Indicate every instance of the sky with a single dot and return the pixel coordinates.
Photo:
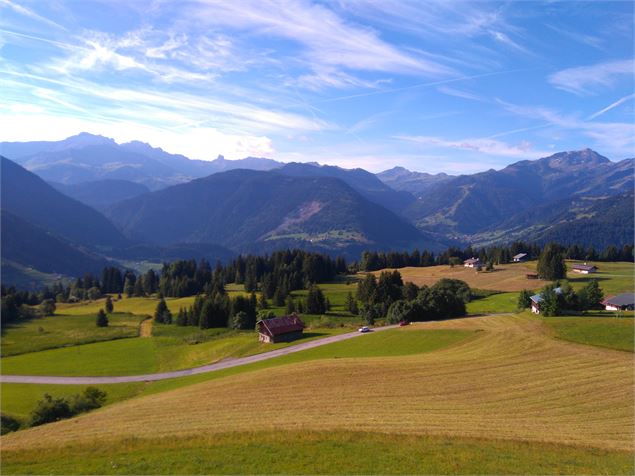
(455, 87)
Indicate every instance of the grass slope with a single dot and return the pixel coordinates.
(513, 381)
(614, 333)
(63, 330)
(302, 452)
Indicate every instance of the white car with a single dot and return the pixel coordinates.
(364, 329)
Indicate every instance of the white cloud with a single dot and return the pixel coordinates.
(522, 150)
(589, 79)
(459, 93)
(204, 143)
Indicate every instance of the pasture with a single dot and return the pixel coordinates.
(64, 330)
(610, 332)
(504, 395)
(341, 452)
(613, 277)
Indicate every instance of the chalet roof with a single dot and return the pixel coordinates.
(537, 298)
(471, 260)
(280, 325)
(624, 299)
(519, 256)
(584, 267)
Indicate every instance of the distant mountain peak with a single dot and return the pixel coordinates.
(86, 138)
(573, 158)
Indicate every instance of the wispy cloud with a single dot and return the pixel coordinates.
(611, 106)
(589, 79)
(460, 93)
(27, 12)
(614, 137)
(523, 150)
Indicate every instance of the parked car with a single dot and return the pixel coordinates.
(404, 323)
(364, 329)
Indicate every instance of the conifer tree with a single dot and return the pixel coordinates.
(108, 306)
(102, 319)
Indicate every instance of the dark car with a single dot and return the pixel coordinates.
(404, 323)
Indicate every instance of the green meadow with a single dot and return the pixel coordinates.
(310, 452)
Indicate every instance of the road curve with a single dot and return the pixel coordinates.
(46, 379)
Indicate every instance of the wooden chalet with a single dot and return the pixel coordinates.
(584, 268)
(621, 302)
(472, 263)
(536, 299)
(519, 257)
(280, 329)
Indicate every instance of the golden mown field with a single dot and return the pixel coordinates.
(511, 381)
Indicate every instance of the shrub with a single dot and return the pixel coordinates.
(8, 424)
(90, 399)
(102, 319)
(50, 409)
(47, 307)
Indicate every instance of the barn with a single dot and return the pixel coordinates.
(621, 302)
(520, 257)
(280, 329)
(584, 268)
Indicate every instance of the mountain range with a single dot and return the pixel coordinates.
(132, 204)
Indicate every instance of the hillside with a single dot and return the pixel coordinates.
(242, 208)
(28, 197)
(478, 203)
(367, 184)
(31, 247)
(100, 194)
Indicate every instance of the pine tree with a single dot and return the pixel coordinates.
(262, 302)
(181, 317)
(290, 305)
(162, 314)
(524, 299)
(551, 264)
(102, 319)
(108, 306)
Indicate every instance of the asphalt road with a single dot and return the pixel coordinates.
(224, 364)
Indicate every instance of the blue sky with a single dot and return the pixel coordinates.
(440, 86)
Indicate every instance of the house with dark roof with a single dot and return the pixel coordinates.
(584, 268)
(536, 299)
(472, 263)
(280, 329)
(519, 257)
(621, 302)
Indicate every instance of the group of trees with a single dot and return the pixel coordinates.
(373, 260)
(554, 303)
(389, 297)
(51, 409)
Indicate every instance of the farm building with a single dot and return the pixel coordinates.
(584, 268)
(280, 329)
(472, 263)
(536, 299)
(520, 257)
(621, 302)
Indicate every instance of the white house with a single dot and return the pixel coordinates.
(536, 299)
(472, 263)
(621, 302)
(584, 268)
(520, 257)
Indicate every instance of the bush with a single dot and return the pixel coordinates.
(102, 319)
(90, 399)
(8, 424)
(47, 307)
(50, 409)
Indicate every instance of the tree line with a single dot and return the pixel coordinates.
(376, 260)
